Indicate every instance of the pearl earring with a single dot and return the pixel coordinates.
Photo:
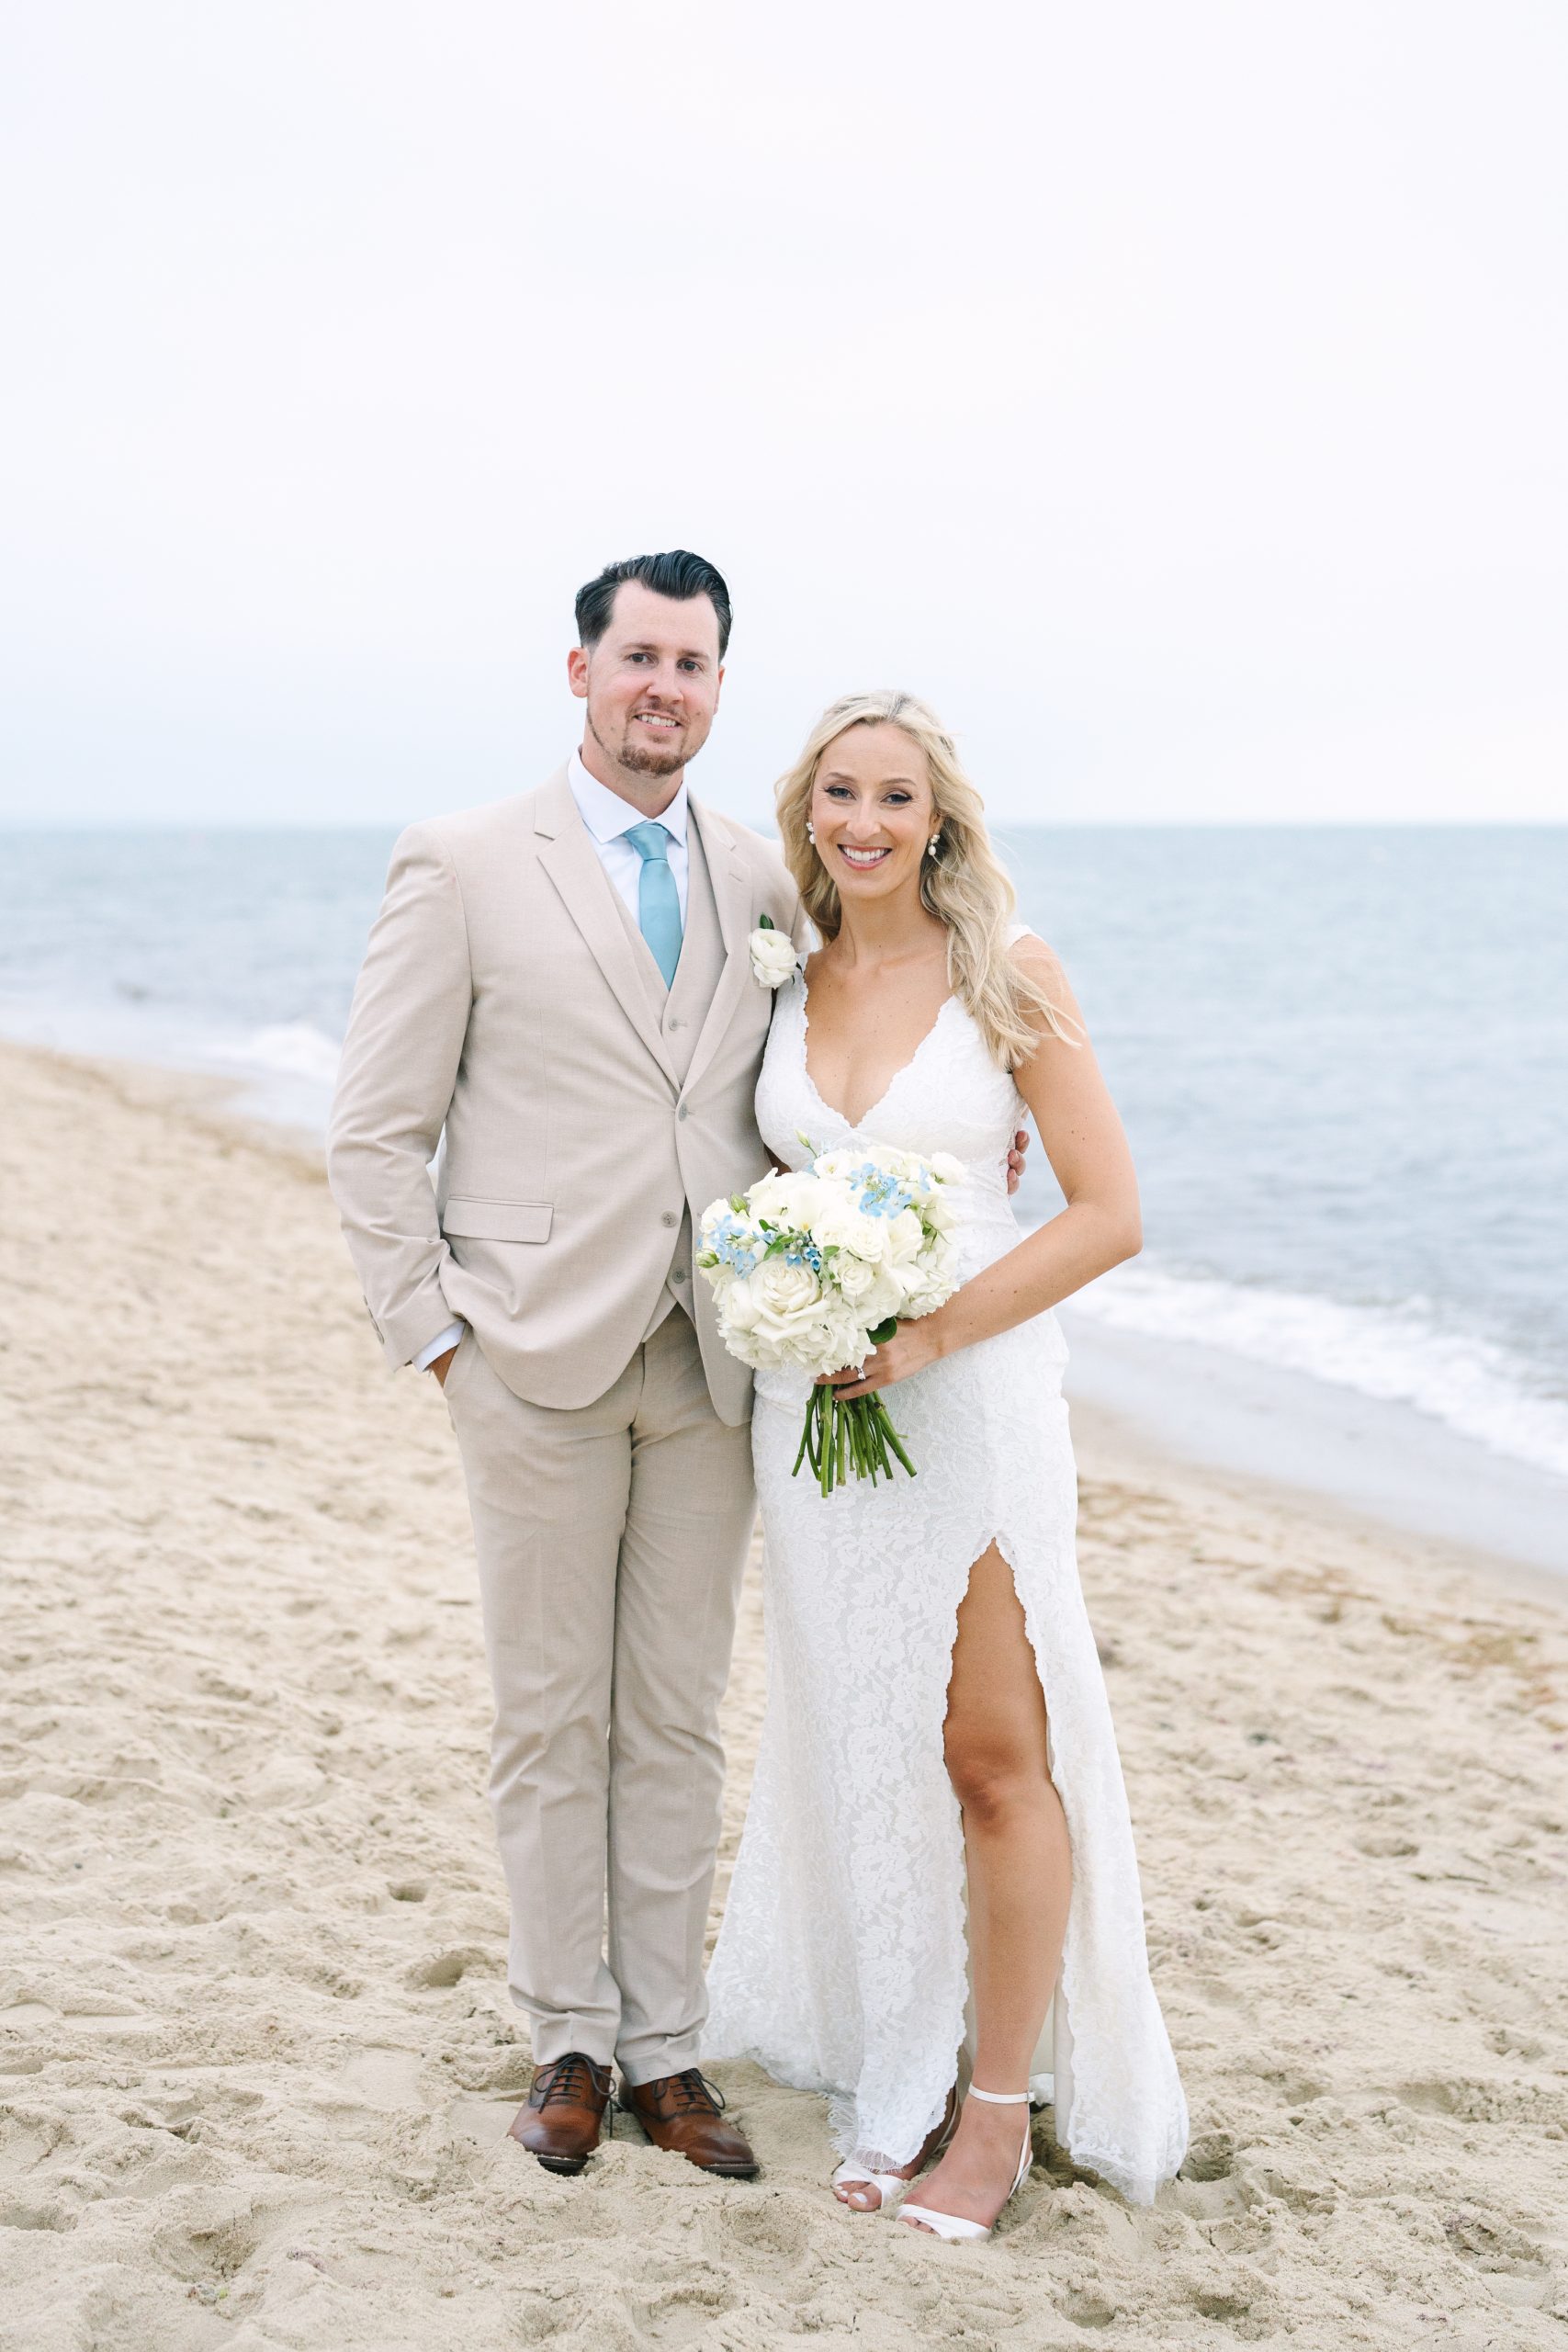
(930, 845)
(811, 833)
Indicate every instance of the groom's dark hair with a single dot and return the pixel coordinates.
(679, 574)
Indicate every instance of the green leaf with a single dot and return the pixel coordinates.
(766, 922)
(883, 1333)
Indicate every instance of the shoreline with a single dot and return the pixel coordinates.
(1108, 1442)
(257, 2057)
(1321, 1449)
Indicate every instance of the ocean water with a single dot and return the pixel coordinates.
(1341, 1055)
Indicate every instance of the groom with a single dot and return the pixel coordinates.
(561, 983)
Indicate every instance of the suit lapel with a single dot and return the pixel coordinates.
(732, 896)
(569, 858)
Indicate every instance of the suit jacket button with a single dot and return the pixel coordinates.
(669, 1217)
(679, 1111)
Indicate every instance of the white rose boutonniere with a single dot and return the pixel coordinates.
(772, 954)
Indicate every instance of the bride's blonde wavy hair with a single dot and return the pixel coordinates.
(965, 884)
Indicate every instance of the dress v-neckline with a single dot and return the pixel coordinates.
(854, 1126)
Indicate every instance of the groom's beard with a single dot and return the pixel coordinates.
(643, 758)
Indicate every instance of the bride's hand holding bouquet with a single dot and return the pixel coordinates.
(910, 1348)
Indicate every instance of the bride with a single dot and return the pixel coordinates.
(938, 1823)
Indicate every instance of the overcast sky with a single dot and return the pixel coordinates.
(1174, 395)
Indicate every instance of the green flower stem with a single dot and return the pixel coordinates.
(891, 1435)
(840, 1436)
(805, 1445)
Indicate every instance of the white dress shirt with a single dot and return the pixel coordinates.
(606, 816)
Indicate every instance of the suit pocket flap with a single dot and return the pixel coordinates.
(498, 1220)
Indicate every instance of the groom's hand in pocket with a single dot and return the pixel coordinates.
(441, 1366)
(1016, 1158)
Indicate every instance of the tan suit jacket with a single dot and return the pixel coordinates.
(506, 998)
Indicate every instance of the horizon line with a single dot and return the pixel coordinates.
(23, 826)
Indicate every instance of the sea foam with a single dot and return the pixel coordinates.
(1400, 1355)
(288, 1049)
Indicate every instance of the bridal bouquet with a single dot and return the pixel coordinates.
(814, 1269)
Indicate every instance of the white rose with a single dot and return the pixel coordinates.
(773, 957)
(784, 1289)
(739, 1307)
(939, 1215)
(874, 1292)
(946, 1168)
(837, 1164)
(787, 1201)
(889, 1297)
(788, 1304)
(839, 1225)
(828, 1196)
(855, 1279)
(905, 1237)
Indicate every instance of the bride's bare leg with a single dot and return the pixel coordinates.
(1020, 1863)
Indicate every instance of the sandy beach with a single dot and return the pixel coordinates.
(256, 2055)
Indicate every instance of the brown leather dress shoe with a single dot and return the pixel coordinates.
(683, 2112)
(566, 2106)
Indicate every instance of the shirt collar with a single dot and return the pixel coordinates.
(608, 816)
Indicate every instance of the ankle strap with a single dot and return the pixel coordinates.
(998, 2099)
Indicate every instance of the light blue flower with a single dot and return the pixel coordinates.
(734, 1245)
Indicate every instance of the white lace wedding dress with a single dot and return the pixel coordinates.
(842, 1964)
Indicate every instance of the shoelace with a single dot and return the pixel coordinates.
(691, 2093)
(576, 2080)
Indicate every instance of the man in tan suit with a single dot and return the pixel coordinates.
(560, 987)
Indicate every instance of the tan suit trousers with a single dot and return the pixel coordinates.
(610, 1541)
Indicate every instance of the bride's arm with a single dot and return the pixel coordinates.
(1098, 1228)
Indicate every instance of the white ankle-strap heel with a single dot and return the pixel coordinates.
(952, 2226)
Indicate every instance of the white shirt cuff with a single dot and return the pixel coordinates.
(438, 1346)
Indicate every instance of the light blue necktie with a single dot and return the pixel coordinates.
(658, 900)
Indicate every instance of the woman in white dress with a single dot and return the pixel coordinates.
(938, 1821)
